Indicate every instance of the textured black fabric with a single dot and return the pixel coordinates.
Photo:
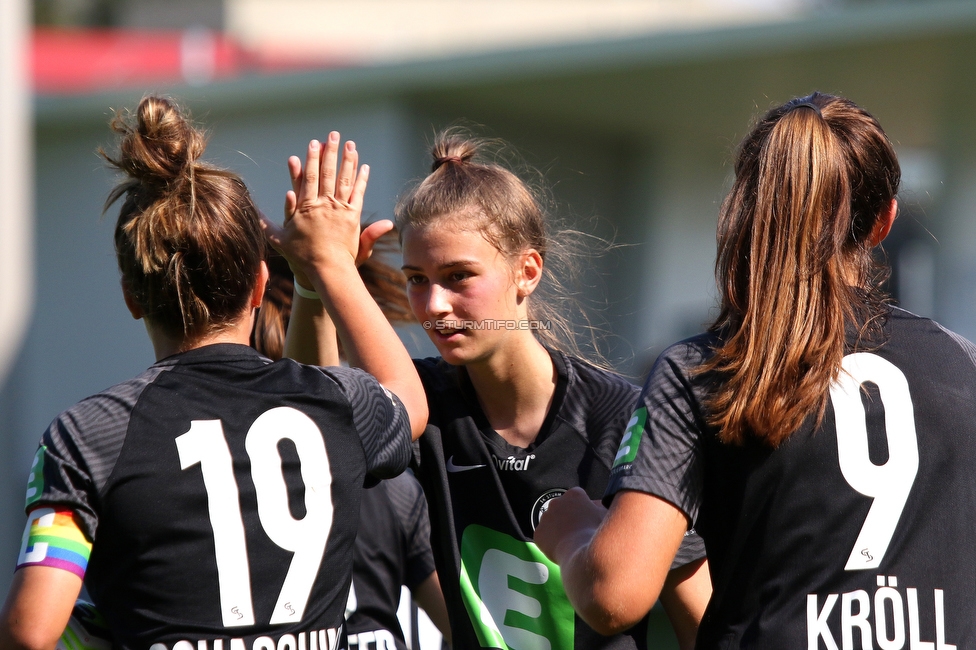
(217, 483)
(392, 549)
(799, 556)
(486, 497)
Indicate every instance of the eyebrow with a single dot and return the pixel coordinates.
(447, 265)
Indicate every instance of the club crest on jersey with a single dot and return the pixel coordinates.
(542, 504)
(513, 464)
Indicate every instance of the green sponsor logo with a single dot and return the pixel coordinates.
(627, 451)
(35, 482)
(513, 593)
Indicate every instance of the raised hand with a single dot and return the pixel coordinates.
(321, 239)
(322, 210)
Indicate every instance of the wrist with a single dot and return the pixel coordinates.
(305, 292)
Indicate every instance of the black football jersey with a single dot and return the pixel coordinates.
(392, 549)
(486, 497)
(221, 492)
(854, 533)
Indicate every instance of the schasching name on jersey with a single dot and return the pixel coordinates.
(328, 639)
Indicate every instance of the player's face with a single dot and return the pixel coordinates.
(460, 287)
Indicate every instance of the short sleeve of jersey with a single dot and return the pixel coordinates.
(380, 418)
(410, 505)
(78, 451)
(59, 477)
(660, 452)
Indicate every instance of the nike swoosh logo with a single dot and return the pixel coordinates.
(451, 467)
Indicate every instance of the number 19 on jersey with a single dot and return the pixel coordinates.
(205, 444)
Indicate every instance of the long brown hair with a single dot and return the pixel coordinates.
(794, 265)
(188, 238)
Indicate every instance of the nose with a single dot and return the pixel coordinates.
(438, 301)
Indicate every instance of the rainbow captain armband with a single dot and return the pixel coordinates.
(52, 538)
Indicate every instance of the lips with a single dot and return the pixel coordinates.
(447, 334)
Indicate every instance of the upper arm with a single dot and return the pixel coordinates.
(661, 451)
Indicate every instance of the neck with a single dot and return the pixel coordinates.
(166, 346)
(515, 387)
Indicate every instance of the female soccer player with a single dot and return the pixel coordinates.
(212, 502)
(515, 420)
(821, 440)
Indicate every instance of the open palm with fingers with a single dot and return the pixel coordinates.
(323, 208)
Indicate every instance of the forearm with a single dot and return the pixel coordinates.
(37, 608)
(597, 593)
(311, 336)
(613, 569)
(368, 339)
(685, 595)
(429, 596)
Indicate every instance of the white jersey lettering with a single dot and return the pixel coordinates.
(886, 612)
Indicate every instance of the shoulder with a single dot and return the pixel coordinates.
(89, 436)
(680, 361)
(597, 401)
(590, 378)
(448, 394)
(111, 407)
(688, 354)
(592, 385)
(352, 386)
(340, 375)
(904, 322)
(405, 495)
(435, 373)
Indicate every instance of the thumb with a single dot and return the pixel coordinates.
(272, 232)
(368, 237)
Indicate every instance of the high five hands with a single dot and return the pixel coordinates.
(323, 211)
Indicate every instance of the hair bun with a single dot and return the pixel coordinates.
(162, 143)
(455, 148)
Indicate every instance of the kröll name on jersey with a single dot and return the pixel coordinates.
(890, 617)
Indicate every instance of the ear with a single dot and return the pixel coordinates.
(528, 272)
(883, 225)
(130, 301)
(260, 285)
